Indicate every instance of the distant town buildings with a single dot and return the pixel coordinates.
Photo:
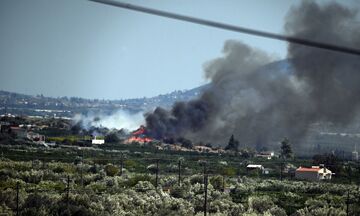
(267, 155)
(315, 173)
(4, 127)
(355, 155)
(22, 132)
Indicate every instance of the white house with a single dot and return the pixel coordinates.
(315, 173)
(97, 141)
(257, 167)
(355, 156)
(35, 137)
(267, 155)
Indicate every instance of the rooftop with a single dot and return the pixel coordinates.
(305, 169)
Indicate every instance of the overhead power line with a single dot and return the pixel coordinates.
(234, 28)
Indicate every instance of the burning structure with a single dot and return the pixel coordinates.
(139, 135)
(261, 104)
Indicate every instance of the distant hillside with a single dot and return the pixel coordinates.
(322, 137)
(39, 105)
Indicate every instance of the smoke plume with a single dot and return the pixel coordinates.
(117, 120)
(259, 102)
(332, 78)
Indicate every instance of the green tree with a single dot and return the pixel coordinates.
(329, 160)
(111, 138)
(217, 182)
(111, 170)
(286, 151)
(233, 144)
(185, 143)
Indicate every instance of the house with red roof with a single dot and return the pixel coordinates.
(18, 131)
(314, 173)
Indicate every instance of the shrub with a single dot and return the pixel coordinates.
(240, 193)
(111, 170)
(217, 182)
(196, 179)
(179, 191)
(260, 204)
(143, 186)
(132, 181)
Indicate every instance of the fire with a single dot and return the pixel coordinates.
(139, 136)
(138, 139)
(140, 131)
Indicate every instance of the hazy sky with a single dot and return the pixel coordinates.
(85, 49)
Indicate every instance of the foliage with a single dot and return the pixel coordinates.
(96, 189)
(233, 144)
(112, 138)
(218, 182)
(111, 170)
(286, 151)
(329, 160)
(185, 142)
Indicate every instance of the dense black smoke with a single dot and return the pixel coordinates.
(332, 78)
(260, 102)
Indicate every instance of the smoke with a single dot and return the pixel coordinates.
(118, 120)
(245, 98)
(332, 78)
(260, 103)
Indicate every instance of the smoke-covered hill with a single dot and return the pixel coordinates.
(322, 137)
(39, 105)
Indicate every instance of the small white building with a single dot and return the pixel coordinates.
(35, 137)
(315, 173)
(267, 155)
(97, 141)
(258, 167)
(355, 156)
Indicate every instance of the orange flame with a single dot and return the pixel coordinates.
(139, 136)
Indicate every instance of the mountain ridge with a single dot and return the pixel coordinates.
(39, 105)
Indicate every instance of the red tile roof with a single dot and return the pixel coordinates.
(304, 169)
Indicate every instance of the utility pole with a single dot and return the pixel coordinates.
(43, 164)
(204, 172)
(349, 174)
(347, 203)
(157, 173)
(223, 183)
(121, 164)
(205, 187)
(81, 173)
(358, 166)
(179, 170)
(281, 169)
(17, 198)
(6, 104)
(68, 192)
(205, 192)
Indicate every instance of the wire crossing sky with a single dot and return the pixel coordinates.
(79, 48)
(255, 32)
